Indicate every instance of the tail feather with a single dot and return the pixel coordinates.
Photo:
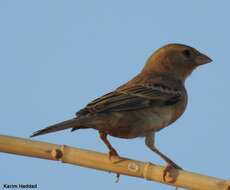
(72, 123)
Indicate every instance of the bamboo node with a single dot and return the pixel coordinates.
(56, 153)
(225, 184)
(147, 171)
(228, 184)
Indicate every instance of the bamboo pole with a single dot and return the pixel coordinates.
(99, 161)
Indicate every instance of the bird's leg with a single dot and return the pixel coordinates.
(149, 141)
(112, 151)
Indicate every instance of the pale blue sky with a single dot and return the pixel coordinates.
(56, 56)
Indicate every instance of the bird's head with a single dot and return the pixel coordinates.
(175, 60)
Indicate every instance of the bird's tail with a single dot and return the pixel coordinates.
(72, 123)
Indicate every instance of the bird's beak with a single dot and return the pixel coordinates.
(202, 59)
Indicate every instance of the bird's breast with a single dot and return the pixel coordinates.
(157, 118)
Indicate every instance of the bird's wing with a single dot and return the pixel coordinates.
(132, 98)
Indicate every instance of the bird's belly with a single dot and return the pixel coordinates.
(139, 123)
(154, 120)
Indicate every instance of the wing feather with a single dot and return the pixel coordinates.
(132, 98)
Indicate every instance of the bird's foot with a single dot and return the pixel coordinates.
(114, 157)
(171, 172)
(118, 178)
(113, 153)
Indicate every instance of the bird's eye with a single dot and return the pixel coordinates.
(186, 53)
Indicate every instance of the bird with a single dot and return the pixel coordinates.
(152, 100)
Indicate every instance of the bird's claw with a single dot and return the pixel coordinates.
(113, 153)
(118, 177)
(171, 170)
